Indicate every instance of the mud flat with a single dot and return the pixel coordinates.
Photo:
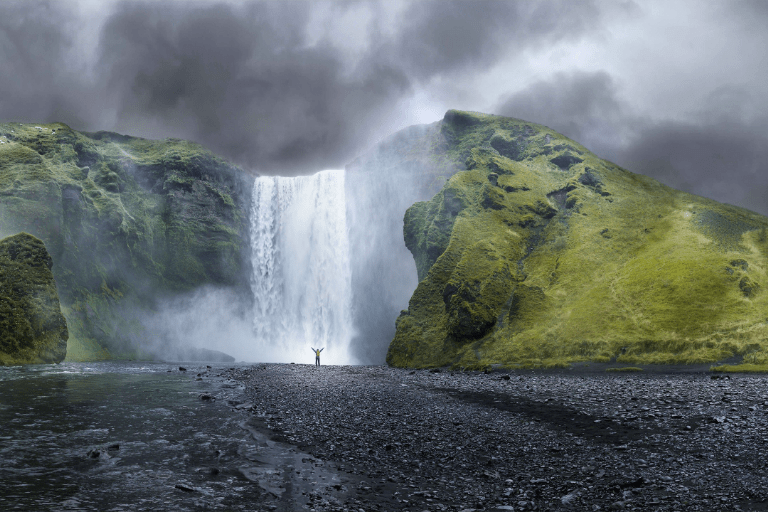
(583, 439)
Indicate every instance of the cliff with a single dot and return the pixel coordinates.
(126, 220)
(32, 328)
(382, 183)
(541, 254)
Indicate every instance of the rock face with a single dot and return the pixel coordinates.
(32, 328)
(409, 166)
(542, 254)
(128, 221)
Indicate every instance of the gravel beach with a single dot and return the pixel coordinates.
(382, 438)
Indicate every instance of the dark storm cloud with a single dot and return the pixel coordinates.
(442, 36)
(583, 106)
(242, 80)
(720, 151)
(726, 160)
(34, 44)
(714, 153)
(245, 79)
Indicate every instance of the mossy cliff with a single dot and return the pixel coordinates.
(542, 254)
(382, 183)
(32, 328)
(126, 220)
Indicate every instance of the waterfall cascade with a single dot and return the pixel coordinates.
(301, 269)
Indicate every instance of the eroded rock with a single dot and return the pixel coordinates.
(32, 327)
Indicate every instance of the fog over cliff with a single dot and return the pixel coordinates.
(674, 90)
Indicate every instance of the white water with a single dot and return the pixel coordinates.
(301, 270)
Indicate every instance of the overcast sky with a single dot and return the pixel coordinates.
(677, 90)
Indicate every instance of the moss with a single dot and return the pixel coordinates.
(625, 369)
(477, 290)
(545, 264)
(32, 327)
(148, 218)
(741, 368)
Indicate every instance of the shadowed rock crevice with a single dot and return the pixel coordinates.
(566, 161)
(561, 199)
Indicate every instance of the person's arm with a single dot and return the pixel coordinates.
(322, 349)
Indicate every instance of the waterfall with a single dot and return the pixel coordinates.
(301, 279)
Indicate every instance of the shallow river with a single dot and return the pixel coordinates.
(139, 436)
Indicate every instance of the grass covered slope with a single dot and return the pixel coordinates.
(125, 220)
(32, 328)
(542, 254)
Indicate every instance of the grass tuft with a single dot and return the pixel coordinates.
(741, 368)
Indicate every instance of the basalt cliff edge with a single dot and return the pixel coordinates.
(533, 252)
(541, 254)
(127, 221)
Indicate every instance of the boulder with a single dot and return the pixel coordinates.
(32, 327)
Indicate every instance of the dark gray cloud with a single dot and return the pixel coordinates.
(35, 39)
(240, 79)
(723, 160)
(580, 105)
(716, 151)
(438, 37)
(246, 80)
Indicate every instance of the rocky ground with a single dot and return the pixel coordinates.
(580, 439)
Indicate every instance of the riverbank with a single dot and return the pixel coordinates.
(529, 440)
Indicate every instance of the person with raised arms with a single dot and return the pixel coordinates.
(317, 355)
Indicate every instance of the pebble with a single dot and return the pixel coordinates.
(462, 441)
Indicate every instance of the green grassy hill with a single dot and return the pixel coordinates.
(126, 220)
(541, 254)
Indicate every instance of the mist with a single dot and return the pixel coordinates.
(329, 269)
(292, 88)
(209, 318)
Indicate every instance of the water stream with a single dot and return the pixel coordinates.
(142, 436)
